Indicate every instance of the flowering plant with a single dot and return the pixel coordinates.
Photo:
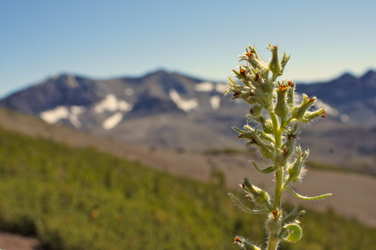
(276, 112)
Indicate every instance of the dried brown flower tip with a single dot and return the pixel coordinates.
(275, 214)
(291, 84)
(292, 136)
(238, 240)
(257, 77)
(323, 115)
(242, 72)
(284, 152)
(282, 88)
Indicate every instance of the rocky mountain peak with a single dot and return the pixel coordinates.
(346, 77)
(369, 78)
(107, 105)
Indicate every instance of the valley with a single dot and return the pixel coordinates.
(352, 193)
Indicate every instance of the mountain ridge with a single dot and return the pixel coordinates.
(160, 87)
(172, 110)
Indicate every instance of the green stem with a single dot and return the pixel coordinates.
(287, 122)
(277, 131)
(272, 243)
(279, 172)
(278, 188)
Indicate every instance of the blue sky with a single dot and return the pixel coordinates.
(108, 38)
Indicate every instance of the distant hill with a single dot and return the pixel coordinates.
(351, 96)
(172, 110)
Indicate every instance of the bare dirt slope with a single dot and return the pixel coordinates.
(18, 242)
(353, 194)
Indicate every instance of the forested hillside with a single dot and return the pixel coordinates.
(83, 199)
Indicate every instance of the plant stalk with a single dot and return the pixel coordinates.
(272, 242)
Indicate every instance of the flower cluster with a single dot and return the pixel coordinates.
(274, 108)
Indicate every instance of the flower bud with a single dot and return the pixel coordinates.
(261, 82)
(293, 216)
(310, 116)
(252, 100)
(265, 148)
(245, 244)
(275, 65)
(299, 111)
(259, 196)
(266, 124)
(256, 80)
(252, 57)
(280, 159)
(291, 136)
(296, 170)
(265, 136)
(241, 75)
(255, 110)
(273, 223)
(261, 97)
(281, 108)
(290, 94)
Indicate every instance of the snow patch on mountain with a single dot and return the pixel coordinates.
(112, 121)
(221, 87)
(73, 116)
(215, 101)
(185, 105)
(111, 103)
(204, 87)
(54, 115)
(62, 112)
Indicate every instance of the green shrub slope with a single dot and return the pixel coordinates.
(83, 199)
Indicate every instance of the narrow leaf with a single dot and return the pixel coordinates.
(240, 205)
(237, 73)
(308, 198)
(238, 130)
(265, 170)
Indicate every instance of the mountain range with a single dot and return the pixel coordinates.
(172, 110)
